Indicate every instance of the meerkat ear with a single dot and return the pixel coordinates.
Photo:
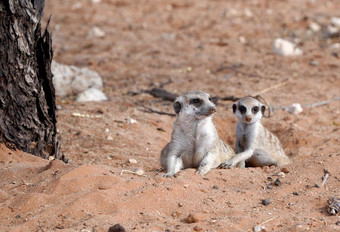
(263, 108)
(177, 106)
(234, 108)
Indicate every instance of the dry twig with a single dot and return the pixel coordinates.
(271, 87)
(325, 177)
(150, 110)
(313, 105)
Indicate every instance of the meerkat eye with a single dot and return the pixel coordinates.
(196, 101)
(242, 109)
(255, 109)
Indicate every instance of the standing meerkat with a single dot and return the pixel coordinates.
(194, 141)
(255, 145)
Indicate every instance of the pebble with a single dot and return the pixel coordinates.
(132, 161)
(281, 174)
(197, 228)
(116, 228)
(72, 80)
(294, 108)
(242, 40)
(337, 223)
(314, 27)
(266, 202)
(284, 170)
(91, 94)
(109, 138)
(259, 228)
(138, 171)
(278, 182)
(266, 169)
(215, 187)
(284, 47)
(335, 21)
(195, 217)
(334, 46)
(180, 205)
(96, 32)
(331, 31)
(130, 120)
(314, 63)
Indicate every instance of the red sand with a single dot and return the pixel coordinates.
(146, 43)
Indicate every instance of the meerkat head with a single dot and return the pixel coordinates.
(249, 110)
(196, 104)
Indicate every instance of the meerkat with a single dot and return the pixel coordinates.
(194, 141)
(255, 145)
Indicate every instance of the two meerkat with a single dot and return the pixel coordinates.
(255, 145)
(194, 141)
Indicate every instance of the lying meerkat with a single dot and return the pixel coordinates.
(194, 141)
(255, 145)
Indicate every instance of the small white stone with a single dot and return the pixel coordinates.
(91, 94)
(71, 80)
(96, 1)
(294, 108)
(285, 48)
(242, 39)
(96, 32)
(106, 130)
(138, 171)
(130, 120)
(50, 158)
(109, 138)
(335, 21)
(259, 228)
(314, 27)
(331, 30)
(281, 174)
(132, 161)
(334, 46)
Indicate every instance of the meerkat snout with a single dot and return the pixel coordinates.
(248, 118)
(212, 110)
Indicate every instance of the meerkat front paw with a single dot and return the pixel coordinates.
(202, 171)
(227, 164)
(168, 175)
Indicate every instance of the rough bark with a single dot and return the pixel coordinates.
(27, 98)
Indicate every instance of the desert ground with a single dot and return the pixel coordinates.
(221, 47)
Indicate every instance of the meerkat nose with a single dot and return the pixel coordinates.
(248, 118)
(212, 110)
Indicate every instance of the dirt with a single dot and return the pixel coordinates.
(221, 47)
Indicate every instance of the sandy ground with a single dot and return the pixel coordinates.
(221, 47)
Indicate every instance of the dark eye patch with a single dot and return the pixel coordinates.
(255, 109)
(196, 102)
(242, 109)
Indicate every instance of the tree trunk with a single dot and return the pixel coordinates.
(27, 98)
